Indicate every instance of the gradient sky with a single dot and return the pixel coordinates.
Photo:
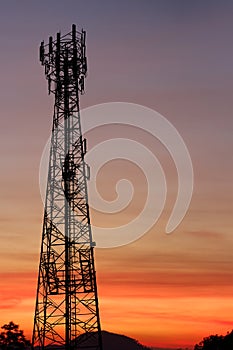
(174, 56)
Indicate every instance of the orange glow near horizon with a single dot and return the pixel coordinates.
(162, 308)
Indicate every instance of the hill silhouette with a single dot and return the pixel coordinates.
(112, 341)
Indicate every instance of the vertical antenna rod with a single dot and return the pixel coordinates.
(67, 314)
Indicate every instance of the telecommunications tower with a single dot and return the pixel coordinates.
(67, 314)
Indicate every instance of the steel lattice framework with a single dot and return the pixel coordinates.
(66, 315)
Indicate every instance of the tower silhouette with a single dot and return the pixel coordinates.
(66, 314)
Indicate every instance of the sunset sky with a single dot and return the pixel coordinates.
(176, 57)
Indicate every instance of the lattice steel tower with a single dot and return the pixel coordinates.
(67, 315)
